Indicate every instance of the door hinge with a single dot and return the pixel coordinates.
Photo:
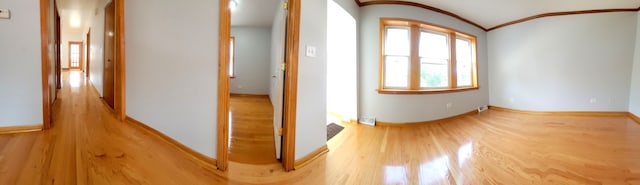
(279, 131)
(283, 66)
(285, 6)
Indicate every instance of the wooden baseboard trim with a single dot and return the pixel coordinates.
(311, 157)
(20, 129)
(204, 161)
(634, 117)
(406, 124)
(560, 113)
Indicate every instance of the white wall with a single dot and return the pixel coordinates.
(67, 37)
(96, 58)
(20, 64)
(413, 108)
(172, 69)
(634, 95)
(560, 63)
(312, 105)
(252, 59)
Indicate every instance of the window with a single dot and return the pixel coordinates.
(231, 56)
(417, 57)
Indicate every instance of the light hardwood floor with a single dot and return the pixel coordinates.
(251, 137)
(88, 146)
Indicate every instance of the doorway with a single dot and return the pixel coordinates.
(256, 88)
(342, 85)
(288, 76)
(75, 55)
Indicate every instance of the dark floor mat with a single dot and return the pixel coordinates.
(332, 130)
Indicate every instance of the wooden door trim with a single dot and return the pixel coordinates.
(223, 85)
(44, 52)
(69, 54)
(88, 58)
(120, 82)
(290, 85)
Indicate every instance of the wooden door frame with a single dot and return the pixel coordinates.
(119, 104)
(87, 60)
(290, 85)
(81, 54)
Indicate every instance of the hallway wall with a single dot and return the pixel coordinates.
(252, 54)
(311, 110)
(20, 64)
(96, 58)
(172, 69)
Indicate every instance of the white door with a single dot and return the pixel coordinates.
(277, 77)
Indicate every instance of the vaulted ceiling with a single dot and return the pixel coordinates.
(491, 13)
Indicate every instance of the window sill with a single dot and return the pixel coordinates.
(425, 91)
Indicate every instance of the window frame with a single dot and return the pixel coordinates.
(415, 28)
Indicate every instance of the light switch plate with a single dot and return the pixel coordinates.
(311, 51)
(5, 14)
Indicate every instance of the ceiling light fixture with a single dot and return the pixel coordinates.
(233, 4)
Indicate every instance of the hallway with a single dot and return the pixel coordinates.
(87, 145)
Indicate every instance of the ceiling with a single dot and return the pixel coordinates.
(75, 15)
(254, 12)
(491, 13)
(486, 13)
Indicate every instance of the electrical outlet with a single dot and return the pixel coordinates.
(5, 13)
(311, 51)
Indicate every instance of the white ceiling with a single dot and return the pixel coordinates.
(490, 13)
(81, 11)
(486, 13)
(254, 12)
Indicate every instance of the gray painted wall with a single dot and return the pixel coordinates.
(252, 60)
(562, 63)
(96, 50)
(634, 95)
(413, 108)
(20, 64)
(172, 71)
(312, 99)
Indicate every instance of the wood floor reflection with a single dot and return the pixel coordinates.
(251, 137)
(88, 146)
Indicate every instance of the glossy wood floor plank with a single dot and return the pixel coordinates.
(88, 146)
(251, 137)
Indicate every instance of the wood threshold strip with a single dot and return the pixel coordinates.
(20, 129)
(202, 160)
(408, 124)
(419, 5)
(561, 113)
(311, 157)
